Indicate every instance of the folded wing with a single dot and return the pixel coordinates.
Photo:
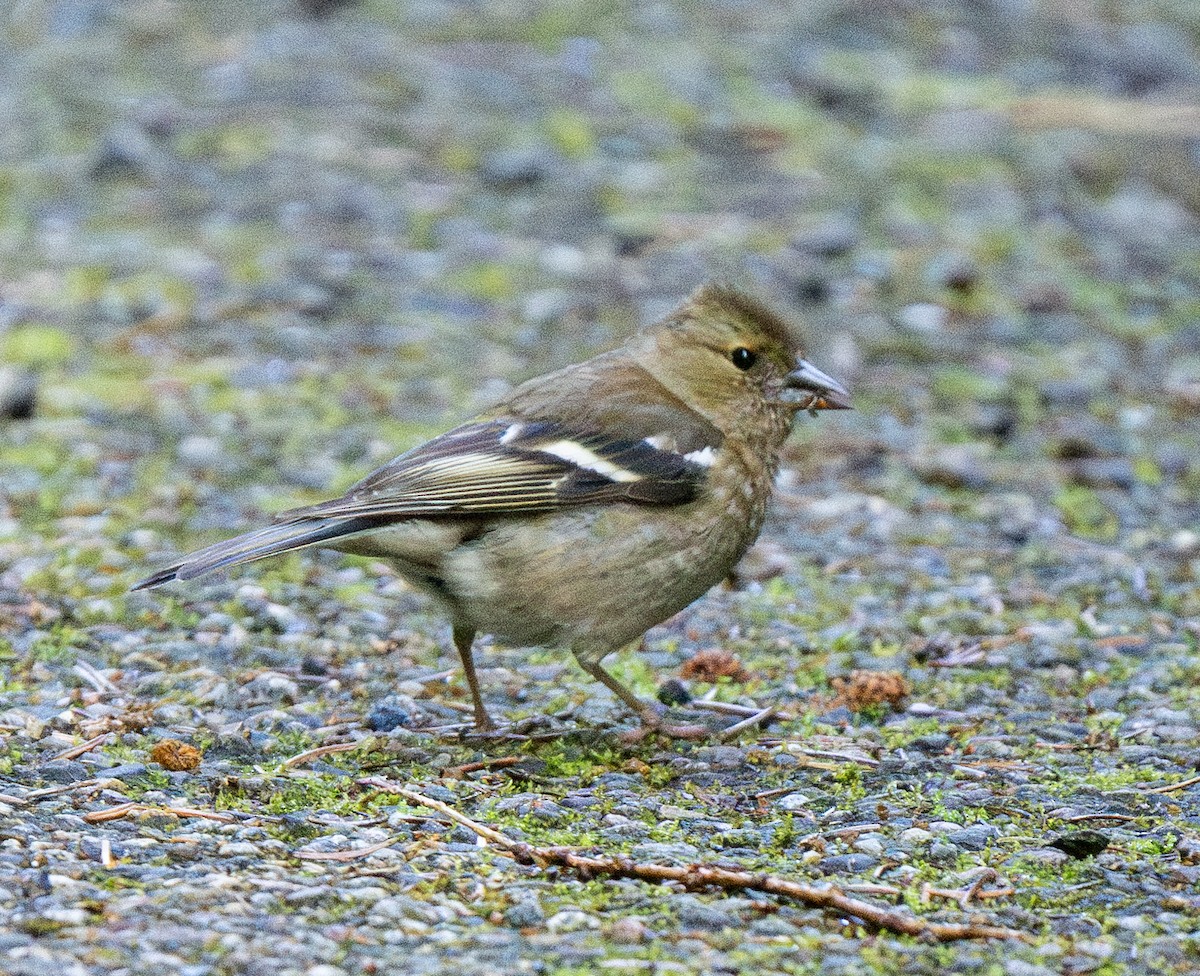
(488, 468)
(514, 466)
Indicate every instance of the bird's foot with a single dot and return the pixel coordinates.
(655, 722)
(522, 728)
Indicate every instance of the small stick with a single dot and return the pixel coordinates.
(319, 751)
(351, 855)
(963, 895)
(866, 888)
(111, 813)
(697, 877)
(93, 677)
(975, 888)
(421, 800)
(82, 784)
(840, 832)
(83, 747)
(827, 754)
(123, 810)
(725, 708)
(1172, 787)
(755, 720)
(461, 772)
(969, 772)
(780, 791)
(732, 708)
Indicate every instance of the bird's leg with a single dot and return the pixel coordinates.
(639, 707)
(464, 637)
(652, 721)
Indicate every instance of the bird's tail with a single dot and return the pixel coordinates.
(269, 541)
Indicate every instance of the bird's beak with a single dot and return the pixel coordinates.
(823, 392)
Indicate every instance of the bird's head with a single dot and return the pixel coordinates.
(725, 353)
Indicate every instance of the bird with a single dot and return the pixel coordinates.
(592, 502)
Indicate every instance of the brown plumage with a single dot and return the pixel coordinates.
(593, 502)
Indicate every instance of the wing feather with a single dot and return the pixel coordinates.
(619, 436)
(269, 541)
(508, 465)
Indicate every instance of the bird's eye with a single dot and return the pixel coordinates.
(743, 358)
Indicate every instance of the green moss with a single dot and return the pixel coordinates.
(491, 281)
(43, 456)
(458, 157)
(850, 778)
(958, 385)
(422, 228)
(86, 283)
(233, 147)
(646, 93)
(1147, 471)
(37, 345)
(60, 646)
(1086, 515)
(571, 133)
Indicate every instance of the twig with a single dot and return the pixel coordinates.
(335, 821)
(437, 676)
(964, 896)
(112, 813)
(960, 657)
(82, 784)
(83, 747)
(780, 791)
(969, 772)
(732, 708)
(421, 800)
(867, 888)
(352, 855)
(755, 720)
(1172, 787)
(1111, 115)
(319, 751)
(1083, 886)
(827, 754)
(445, 729)
(122, 810)
(461, 772)
(975, 888)
(190, 812)
(700, 876)
(725, 708)
(840, 833)
(1081, 818)
(94, 678)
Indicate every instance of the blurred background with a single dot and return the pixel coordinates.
(249, 251)
(285, 234)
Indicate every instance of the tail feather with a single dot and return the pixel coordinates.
(269, 541)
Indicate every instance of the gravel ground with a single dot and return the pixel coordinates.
(249, 251)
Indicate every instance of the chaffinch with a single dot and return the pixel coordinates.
(592, 503)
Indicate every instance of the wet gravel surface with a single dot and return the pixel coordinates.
(245, 255)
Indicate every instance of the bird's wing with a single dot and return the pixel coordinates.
(517, 466)
(491, 467)
(623, 438)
